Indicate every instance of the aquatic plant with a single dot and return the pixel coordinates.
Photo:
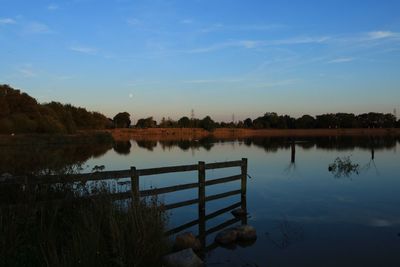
(343, 167)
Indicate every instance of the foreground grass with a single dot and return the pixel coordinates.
(72, 232)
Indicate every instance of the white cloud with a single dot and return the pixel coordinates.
(249, 43)
(37, 28)
(133, 21)
(186, 21)
(83, 49)
(381, 34)
(52, 7)
(260, 43)
(4, 21)
(244, 27)
(26, 71)
(300, 40)
(341, 60)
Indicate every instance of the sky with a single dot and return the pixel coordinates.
(217, 57)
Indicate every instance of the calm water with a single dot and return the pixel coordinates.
(304, 215)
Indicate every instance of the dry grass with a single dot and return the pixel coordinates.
(94, 232)
(166, 134)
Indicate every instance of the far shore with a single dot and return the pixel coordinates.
(175, 134)
(227, 133)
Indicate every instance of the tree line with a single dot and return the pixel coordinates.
(21, 113)
(272, 120)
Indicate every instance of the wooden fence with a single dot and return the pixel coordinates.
(137, 174)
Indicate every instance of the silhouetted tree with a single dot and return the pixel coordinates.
(122, 120)
(207, 123)
(184, 122)
(326, 121)
(248, 123)
(146, 123)
(305, 122)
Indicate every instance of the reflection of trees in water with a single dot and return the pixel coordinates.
(122, 147)
(46, 159)
(351, 142)
(206, 143)
(149, 145)
(286, 233)
(273, 144)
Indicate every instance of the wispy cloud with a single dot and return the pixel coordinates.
(26, 71)
(381, 34)
(186, 21)
(133, 21)
(244, 27)
(300, 40)
(52, 7)
(341, 60)
(83, 49)
(260, 43)
(4, 21)
(225, 80)
(277, 83)
(37, 28)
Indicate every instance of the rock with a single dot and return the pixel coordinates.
(226, 236)
(247, 243)
(239, 213)
(183, 258)
(5, 176)
(246, 233)
(187, 240)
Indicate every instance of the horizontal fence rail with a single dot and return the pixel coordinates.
(135, 193)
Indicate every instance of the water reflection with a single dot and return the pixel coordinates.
(122, 147)
(273, 144)
(41, 159)
(46, 159)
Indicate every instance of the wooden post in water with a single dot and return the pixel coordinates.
(135, 186)
(293, 152)
(202, 203)
(244, 188)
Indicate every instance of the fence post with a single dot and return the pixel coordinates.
(202, 203)
(244, 188)
(135, 185)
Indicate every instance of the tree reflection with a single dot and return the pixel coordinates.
(47, 159)
(122, 147)
(149, 145)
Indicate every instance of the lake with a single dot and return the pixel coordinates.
(306, 209)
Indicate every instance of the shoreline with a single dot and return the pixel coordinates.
(227, 133)
(176, 134)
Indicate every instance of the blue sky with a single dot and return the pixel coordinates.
(164, 58)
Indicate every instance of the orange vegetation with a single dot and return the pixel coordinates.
(222, 133)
